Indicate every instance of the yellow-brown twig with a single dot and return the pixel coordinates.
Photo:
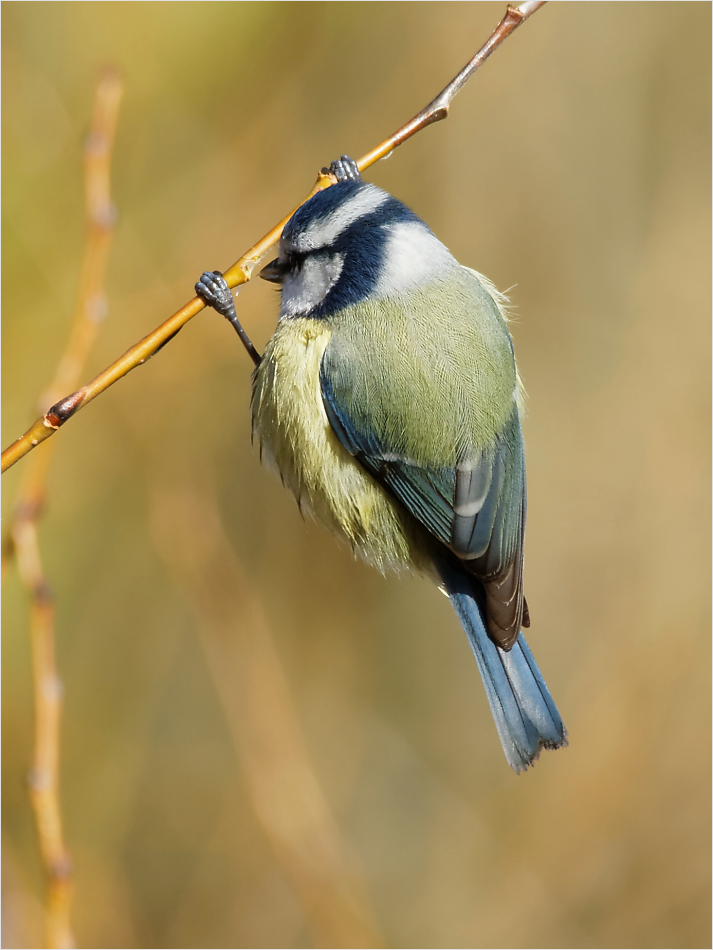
(91, 305)
(44, 777)
(286, 796)
(241, 271)
(21, 538)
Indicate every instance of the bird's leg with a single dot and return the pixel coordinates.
(344, 169)
(214, 292)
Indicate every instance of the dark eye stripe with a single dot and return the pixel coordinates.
(294, 260)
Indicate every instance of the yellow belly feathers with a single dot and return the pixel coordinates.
(295, 438)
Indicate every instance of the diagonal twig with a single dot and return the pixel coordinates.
(21, 537)
(241, 271)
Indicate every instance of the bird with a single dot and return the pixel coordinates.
(388, 401)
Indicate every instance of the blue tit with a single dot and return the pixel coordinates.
(387, 401)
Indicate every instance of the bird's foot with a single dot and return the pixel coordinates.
(214, 292)
(344, 169)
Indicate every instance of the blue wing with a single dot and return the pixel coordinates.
(475, 508)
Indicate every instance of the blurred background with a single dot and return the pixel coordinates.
(574, 171)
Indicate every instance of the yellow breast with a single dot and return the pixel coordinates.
(295, 438)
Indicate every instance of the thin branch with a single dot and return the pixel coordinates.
(241, 271)
(90, 307)
(284, 790)
(101, 220)
(439, 108)
(21, 537)
(44, 777)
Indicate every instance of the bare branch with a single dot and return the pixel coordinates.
(241, 271)
(438, 109)
(44, 777)
(21, 537)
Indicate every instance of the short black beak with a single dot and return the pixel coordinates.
(272, 271)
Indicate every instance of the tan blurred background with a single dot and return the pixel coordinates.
(574, 169)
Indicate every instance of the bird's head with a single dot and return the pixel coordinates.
(349, 243)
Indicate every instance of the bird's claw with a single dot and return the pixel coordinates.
(213, 290)
(345, 169)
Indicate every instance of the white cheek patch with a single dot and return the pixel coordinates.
(325, 231)
(411, 257)
(304, 291)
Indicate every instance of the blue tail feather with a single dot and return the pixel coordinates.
(525, 714)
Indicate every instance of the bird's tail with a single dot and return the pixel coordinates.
(525, 714)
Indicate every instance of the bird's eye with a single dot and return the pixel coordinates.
(294, 261)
